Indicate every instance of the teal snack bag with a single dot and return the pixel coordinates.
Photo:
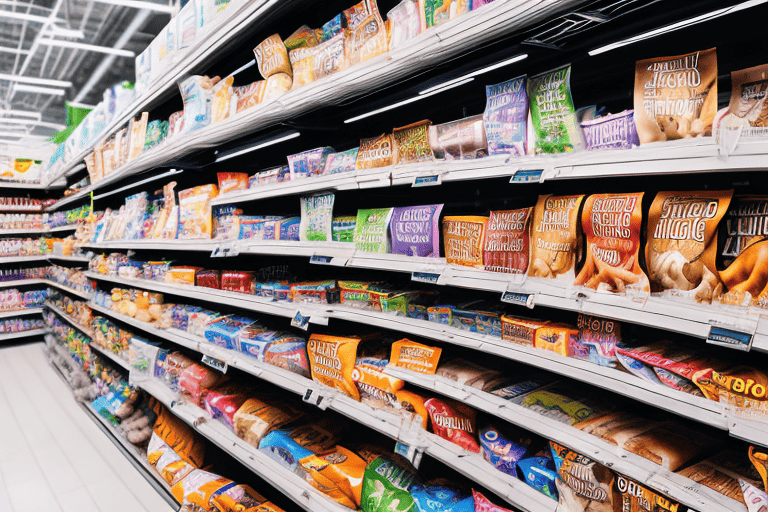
(386, 486)
(371, 230)
(316, 218)
(555, 127)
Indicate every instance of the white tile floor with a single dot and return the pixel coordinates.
(53, 457)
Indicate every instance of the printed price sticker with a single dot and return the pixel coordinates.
(527, 176)
(216, 364)
(321, 260)
(425, 277)
(315, 399)
(521, 299)
(427, 181)
(300, 321)
(729, 338)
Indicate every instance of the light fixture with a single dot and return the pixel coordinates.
(242, 68)
(150, 6)
(142, 182)
(39, 90)
(233, 154)
(66, 32)
(15, 51)
(9, 120)
(512, 60)
(20, 113)
(410, 100)
(34, 80)
(24, 16)
(676, 26)
(88, 47)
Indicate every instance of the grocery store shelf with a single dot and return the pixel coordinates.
(22, 259)
(428, 49)
(22, 334)
(22, 282)
(175, 245)
(110, 355)
(64, 316)
(68, 289)
(79, 259)
(20, 312)
(755, 432)
(23, 231)
(627, 463)
(70, 227)
(274, 473)
(30, 185)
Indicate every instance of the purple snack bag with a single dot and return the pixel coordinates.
(614, 131)
(415, 230)
(506, 117)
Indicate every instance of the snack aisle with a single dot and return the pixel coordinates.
(457, 256)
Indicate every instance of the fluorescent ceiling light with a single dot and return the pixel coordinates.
(88, 47)
(80, 105)
(288, 136)
(23, 16)
(35, 81)
(39, 90)
(242, 68)
(15, 51)
(132, 185)
(66, 32)
(676, 26)
(32, 122)
(151, 6)
(19, 113)
(421, 96)
(516, 58)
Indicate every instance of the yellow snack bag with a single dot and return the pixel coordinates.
(222, 96)
(463, 238)
(332, 359)
(415, 356)
(195, 211)
(555, 237)
(272, 57)
(555, 337)
(338, 473)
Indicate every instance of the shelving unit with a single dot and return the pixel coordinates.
(21, 334)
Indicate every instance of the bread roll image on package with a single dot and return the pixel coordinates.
(681, 244)
(611, 224)
(555, 237)
(676, 97)
(747, 112)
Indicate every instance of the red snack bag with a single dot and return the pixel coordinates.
(483, 505)
(238, 281)
(196, 380)
(454, 421)
(223, 402)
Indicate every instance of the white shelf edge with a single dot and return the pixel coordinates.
(22, 282)
(20, 312)
(63, 315)
(21, 334)
(68, 289)
(22, 259)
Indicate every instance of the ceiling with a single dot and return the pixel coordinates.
(25, 24)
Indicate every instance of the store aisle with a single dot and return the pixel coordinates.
(53, 457)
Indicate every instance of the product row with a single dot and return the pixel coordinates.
(32, 246)
(11, 274)
(20, 325)
(12, 299)
(24, 204)
(70, 277)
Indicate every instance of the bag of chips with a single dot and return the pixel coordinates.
(454, 421)
(415, 356)
(387, 482)
(412, 143)
(459, 140)
(372, 230)
(375, 152)
(316, 218)
(338, 473)
(506, 246)
(332, 360)
(582, 483)
(463, 238)
(555, 127)
(272, 57)
(415, 230)
(506, 117)
(555, 237)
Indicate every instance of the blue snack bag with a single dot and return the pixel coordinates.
(539, 473)
(441, 496)
(504, 449)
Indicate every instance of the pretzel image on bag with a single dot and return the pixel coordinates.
(611, 223)
(555, 236)
(682, 242)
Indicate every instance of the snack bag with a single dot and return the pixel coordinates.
(332, 359)
(404, 23)
(221, 98)
(440, 11)
(503, 448)
(328, 57)
(440, 495)
(415, 356)
(302, 37)
(454, 421)
(341, 162)
(365, 34)
(459, 140)
(747, 112)
(630, 496)
(275, 86)
(375, 152)
(483, 504)
(597, 340)
(386, 485)
(506, 247)
(613, 131)
(582, 483)
(463, 238)
(676, 97)
(232, 181)
(415, 230)
(197, 95)
(682, 242)
(611, 223)
(248, 96)
(412, 143)
(755, 498)
(742, 391)
(316, 218)
(506, 117)
(555, 237)
(371, 230)
(339, 474)
(195, 211)
(556, 129)
(272, 57)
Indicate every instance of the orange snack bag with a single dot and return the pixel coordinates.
(375, 152)
(521, 330)
(555, 236)
(366, 35)
(376, 388)
(555, 337)
(275, 86)
(415, 356)
(332, 359)
(463, 238)
(413, 403)
(195, 211)
(338, 473)
(272, 57)
(232, 181)
(611, 223)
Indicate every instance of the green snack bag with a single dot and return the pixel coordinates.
(371, 230)
(316, 218)
(555, 127)
(343, 229)
(386, 485)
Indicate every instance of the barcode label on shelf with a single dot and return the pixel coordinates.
(521, 299)
(527, 176)
(225, 250)
(729, 338)
(427, 181)
(311, 397)
(321, 260)
(425, 277)
(300, 321)
(216, 364)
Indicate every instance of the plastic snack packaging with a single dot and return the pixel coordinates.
(454, 421)
(612, 131)
(255, 419)
(302, 37)
(681, 243)
(439, 11)
(272, 57)
(387, 482)
(742, 391)
(506, 117)
(503, 448)
(582, 483)
(506, 247)
(338, 473)
(195, 211)
(221, 99)
(611, 223)
(223, 402)
(308, 163)
(376, 388)
(316, 218)
(137, 135)
(415, 230)
(482, 504)
(676, 97)
(747, 112)
(197, 95)
(275, 86)
(332, 359)
(540, 473)
(557, 401)
(555, 237)
(556, 337)
(195, 381)
(412, 143)
(415, 356)
(725, 472)
(440, 495)
(404, 21)
(463, 238)
(343, 229)
(166, 461)
(520, 330)
(755, 498)
(371, 230)
(375, 152)
(341, 162)
(232, 181)
(329, 57)
(212, 492)
(597, 340)
(237, 281)
(365, 34)
(555, 127)
(744, 252)
(459, 140)
(633, 497)
(249, 95)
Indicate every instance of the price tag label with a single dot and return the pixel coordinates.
(314, 398)
(300, 321)
(216, 364)
(409, 452)
(427, 181)
(321, 260)
(527, 176)
(225, 250)
(520, 299)
(729, 338)
(425, 277)
(216, 252)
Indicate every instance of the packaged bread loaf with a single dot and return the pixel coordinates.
(747, 113)
(722, 472)
(611, 224)
(676, 97)
(555, 237)
(681, 243)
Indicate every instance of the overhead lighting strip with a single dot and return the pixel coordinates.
(227, 156)
(31, 122)
(142, 182)
(20, 113)
(39, 90)
(150, 6)
(88, 47)
(516, 58)
(34, 80)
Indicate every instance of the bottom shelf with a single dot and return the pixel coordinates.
(22, 334)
